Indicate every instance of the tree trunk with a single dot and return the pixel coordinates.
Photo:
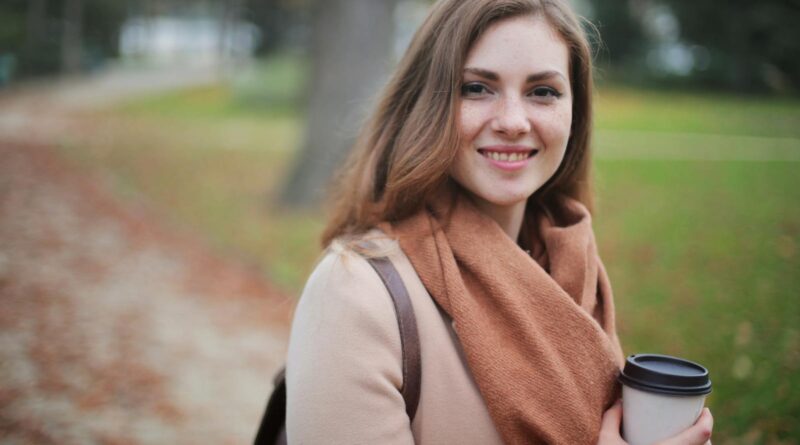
(72, 40)
(34, 27)
(351, 49)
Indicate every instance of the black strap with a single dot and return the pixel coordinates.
(272, 430)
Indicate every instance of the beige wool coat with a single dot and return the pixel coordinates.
(344, 372)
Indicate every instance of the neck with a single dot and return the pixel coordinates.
(508, 217)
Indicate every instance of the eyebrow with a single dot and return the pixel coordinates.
(491, 75)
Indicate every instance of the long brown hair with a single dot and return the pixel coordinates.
(404, 151)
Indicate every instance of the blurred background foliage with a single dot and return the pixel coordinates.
(741, 46)
(697, 154)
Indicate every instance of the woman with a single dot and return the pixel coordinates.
(472, 177)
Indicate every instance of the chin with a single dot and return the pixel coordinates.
(508, 200)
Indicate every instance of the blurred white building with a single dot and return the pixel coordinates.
(194, 41)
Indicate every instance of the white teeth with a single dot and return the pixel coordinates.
(507, 157)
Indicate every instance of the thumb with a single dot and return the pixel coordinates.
(612, 419)
(609, 429)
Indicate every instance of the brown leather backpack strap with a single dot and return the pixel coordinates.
(272, 430)
(409, 337)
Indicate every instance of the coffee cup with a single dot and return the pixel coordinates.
(661, 396)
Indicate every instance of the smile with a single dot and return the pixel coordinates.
(508, 158)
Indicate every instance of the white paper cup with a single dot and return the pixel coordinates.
(661, 396)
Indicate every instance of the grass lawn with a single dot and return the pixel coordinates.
(699, 225)
(703, 246)
(704, 260)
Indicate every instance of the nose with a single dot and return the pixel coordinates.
(511, 119)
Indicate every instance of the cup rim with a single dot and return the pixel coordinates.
(637, 374)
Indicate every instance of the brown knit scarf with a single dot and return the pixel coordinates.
(539, 339)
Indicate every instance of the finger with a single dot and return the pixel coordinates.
(610, 427)
(697, 434)
(612, 418)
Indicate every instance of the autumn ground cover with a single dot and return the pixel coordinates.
(698, 217)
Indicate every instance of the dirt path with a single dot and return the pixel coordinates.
(42, 110)
(113, 328)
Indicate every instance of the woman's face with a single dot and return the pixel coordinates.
(515, 112)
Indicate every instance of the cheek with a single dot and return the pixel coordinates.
(555, 128)
(470, 121)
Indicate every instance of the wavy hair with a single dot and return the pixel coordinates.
(404, 151)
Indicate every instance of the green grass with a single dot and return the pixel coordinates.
(704, 260)
(703, 254)
(271, 88)
(216, 177)
(676, 112)
(703, 248)
(211, 160)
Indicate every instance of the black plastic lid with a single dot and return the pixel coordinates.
(665, 374)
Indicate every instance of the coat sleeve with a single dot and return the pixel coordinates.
(344, 370)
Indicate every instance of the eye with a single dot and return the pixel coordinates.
(474, 89)
(545, 92)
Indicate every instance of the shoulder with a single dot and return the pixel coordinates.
(344, 359)
(344, 278)
(344, 303)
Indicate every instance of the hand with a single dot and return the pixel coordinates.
(609, 429)
(697, 434)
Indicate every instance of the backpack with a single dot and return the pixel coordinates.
(272, 430)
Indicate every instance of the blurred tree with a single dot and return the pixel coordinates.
(278, 20)
(621, 35)
(23, 36)
(47, 36)
(351, 53)
(751, 45)
(102, 21)
(72, 37)
(35, 24)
